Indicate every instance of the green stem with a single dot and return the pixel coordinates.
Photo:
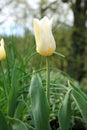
(4, 81)
(47, 78)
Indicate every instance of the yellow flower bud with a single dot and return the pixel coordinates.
(45, 43)
(2, 50)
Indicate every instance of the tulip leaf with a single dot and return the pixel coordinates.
(40, 107)
(81, 100)
(78, 90)
(17, 124)
(59, 54)
(19, 110)
(65, 112)
(3, 123)
(13, 93)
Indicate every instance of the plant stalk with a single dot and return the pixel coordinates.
(47, 78)
(4, 81)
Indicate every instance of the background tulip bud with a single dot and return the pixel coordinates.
(2, 50)
(45, 43)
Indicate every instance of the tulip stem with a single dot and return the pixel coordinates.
(47, 78)
(4, 80)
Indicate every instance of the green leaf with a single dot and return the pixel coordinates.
(59, 54)
(78, 90)
(40, 107)
(17, 124)
(12, 101)
(19, 110)
(65, 112)
(81, 100)
(3, 123)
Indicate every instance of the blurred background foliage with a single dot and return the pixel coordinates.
(69, 30)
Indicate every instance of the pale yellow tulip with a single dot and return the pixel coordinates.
(45, 43)
(2, 50)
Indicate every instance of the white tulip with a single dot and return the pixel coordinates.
(45, 43)
(2, 50)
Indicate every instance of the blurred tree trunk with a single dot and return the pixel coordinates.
(76, 61)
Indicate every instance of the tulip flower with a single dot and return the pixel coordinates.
(45, 43)
(2, 50)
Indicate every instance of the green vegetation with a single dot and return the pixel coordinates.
(37, 94)
(20, 107)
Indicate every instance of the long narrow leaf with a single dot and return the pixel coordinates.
(13, 94)
(17, 124)
(19, 111)
(65, 113)
(78, 90)
(3, 123)
(81, 100)
(39, 104)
